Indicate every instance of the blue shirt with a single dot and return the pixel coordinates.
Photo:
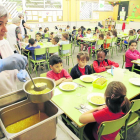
(31, 49)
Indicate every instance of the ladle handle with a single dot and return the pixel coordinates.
(25, 67)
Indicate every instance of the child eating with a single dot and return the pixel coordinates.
(38, 37)
(57, 73)
(117, 105)
(102, 64)
(81, 68)
(88, 34)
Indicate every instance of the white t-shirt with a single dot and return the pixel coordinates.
(7, 78)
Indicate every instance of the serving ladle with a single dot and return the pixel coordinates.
(35, 87)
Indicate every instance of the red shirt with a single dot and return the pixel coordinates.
(56, 76)
(101, 67)
(82, 70)
(105, 115)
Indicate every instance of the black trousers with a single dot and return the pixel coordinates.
(136, 67)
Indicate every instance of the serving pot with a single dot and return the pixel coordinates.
(39, 98)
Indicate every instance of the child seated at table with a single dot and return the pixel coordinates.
(59, 34)
(78, 38)
(97, 32)
(81, 68)
(134, 31)
(38, 37)
(31, 47)
(40, 30)
(88, 34)
(43, 35)
(138, 34)
(58, 74)
(132, 54)
(65, 37)
(102, 64)
(101, 37)
(26, 39)
(51, 37)
(131, 33)
(55, 41)
(108, 36)
(117, 105)
(73, 32)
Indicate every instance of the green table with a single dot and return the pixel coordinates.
(67, 101)
(45, 44)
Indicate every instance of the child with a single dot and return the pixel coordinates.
(88, 34)
(51, 37)
(117, 105)
(57, 73)
(102, 64)
(131, 33)
(38, 37)
(97, 32)
(43, 35)
(55, 41)
(131, 54)
(59, 34)
(78, 38)
(26, 39)
(81, 68)
(108, 36)
(138, 34)
(64, 41)
(134, 31)
(47, 28)
(40, 30)
(68, 28)
(73, 32)
(83, 29)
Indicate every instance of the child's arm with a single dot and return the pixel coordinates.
(60, 81)
(112, 63)
(67, 80)
(131, 56)
(97, 68)
(88, 117)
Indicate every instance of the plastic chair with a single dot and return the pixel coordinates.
(109, 41)
(52, 50)
(123, 60)
(40, 51)
(69, 70)
(133, 68)
(67, 55)
(43, 74)
(114, 46)
(46, 35)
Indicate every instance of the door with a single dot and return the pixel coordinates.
(122, 5)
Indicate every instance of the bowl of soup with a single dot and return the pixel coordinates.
(39, 96)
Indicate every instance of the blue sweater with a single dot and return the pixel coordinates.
(31, 49)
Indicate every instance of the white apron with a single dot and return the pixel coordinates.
(22, 28)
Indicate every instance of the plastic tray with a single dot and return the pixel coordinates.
(99, 86)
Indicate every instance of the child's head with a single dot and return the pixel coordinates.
(114, 33)
(74, 27)
(31, 41)
(68, 26)
(101, 55)
(131, 33)
(82, 58)
(40, 29)
(26, 37)
(60, 30)
(116, 99)
(134, 31)
(65, 36)
(138, 31)
(55, 40)
(47, 28)
(51, 35)
(96, 28)
(132, 45)
(79, 31)
(101, 36)
(45, 31)
(108, 34)
(56, 63)
(38, 36)
(89, 31)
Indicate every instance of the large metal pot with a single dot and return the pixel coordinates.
(40, 98)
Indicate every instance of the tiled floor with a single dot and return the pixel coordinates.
(133, 134)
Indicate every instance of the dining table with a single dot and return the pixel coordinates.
(69, 101)
(135, 62)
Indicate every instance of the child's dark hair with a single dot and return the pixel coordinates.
(51, 33)
(114, 33)
(108, 33)
(116, 99)
(83, 55)
(68, 26)
(31, 41)
(104, 51)
(132, 41)
(26, 36)
(45, 31)
(88, 29)
(60, 29)
(38, 34)
(96, 29)
(138, 30)
(56, 39)
(40, 28)
(101, 36)
(66, 36)
(131, 32)
(134, 30)
(74, 27)
(54, 59)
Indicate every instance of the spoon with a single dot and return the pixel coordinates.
(35, 87)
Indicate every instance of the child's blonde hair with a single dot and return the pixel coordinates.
(66, 36)
(83, 56)
(108, 33)
(131, 33)
(101, 36)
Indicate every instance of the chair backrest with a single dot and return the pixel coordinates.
(66, 47)
(53, 49)
(135, 105)
(131, 38)
(40, 51)
(100, 42)
(106, 29)
(109, 127)
(46, 34)
(43, 74)
(69, 70)
(115, 39)
(109, 41)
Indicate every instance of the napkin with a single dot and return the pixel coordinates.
(87, 108)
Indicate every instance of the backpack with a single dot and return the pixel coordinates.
(99, 63)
